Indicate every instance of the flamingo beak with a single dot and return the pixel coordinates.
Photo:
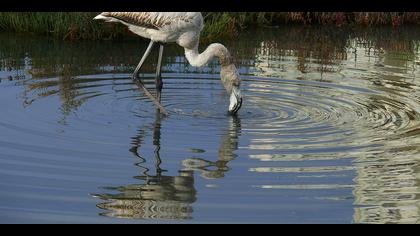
(235, 101)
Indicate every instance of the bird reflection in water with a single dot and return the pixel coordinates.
(166, 197)
(158, 196)
(229, 144)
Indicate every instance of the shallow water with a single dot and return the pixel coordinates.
(328, 133)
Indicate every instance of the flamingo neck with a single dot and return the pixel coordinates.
(229, 75)
(213, 50)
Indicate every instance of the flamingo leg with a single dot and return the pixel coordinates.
(159, 82)
(143, 59)
(139, 82)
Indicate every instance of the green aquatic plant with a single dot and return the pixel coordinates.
(80, 26)
(65, 25)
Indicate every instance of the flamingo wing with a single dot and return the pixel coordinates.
(174, 21)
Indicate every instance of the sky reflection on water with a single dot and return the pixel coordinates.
(328, 132)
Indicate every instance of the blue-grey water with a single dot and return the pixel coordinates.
(328, 132)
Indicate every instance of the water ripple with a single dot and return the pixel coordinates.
(327, 123)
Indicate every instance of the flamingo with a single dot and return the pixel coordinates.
(184, 29)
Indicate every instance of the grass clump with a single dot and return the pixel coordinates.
(81, 26)
(65, 25)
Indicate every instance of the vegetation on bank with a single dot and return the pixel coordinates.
(80, 26)
(65, 25)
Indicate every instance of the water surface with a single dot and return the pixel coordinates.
(328, 133)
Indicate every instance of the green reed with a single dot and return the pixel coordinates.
(65, 25)
(80, 26)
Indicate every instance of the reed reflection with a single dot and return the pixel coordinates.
(387, 190)
(323, 54)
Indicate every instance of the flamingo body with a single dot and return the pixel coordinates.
(163, 27)
(184, 29)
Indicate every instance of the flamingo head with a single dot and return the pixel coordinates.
(231, 81)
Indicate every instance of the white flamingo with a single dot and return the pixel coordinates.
(183, 28)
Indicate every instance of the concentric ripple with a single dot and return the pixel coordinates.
(317, 117)
(330, 130)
